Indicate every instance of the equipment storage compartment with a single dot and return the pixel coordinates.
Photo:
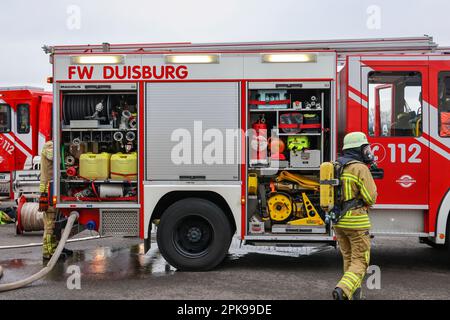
(99, 141)
(199, 112)
(288, 140)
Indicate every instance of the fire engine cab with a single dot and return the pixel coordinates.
(208, 141)
(25, 125)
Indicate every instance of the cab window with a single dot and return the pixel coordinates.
(5, 117)
(395, 104)
(444, 104)
(23, 118)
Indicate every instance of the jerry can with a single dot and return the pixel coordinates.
(124, 166)
(95, 166)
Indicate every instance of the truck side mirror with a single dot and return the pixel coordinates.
(377, 173)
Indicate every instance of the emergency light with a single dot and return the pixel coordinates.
(289, 57)
(184, 59)
(97, 59)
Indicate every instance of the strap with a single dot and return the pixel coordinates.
(127, 176)
(352, 205)
(95, 190)
(347, 206)
(344, 161)
(262, 195)
(299, 126)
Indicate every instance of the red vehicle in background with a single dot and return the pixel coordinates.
(25, 125)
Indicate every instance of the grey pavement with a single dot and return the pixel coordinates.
(117, 268)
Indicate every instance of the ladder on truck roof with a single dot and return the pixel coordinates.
(345, 46)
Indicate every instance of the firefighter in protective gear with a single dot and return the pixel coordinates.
(50, 241)
(352, 230)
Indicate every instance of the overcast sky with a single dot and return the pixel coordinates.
(26, 25)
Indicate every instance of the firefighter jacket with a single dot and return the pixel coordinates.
(46, 166)
(357, 183)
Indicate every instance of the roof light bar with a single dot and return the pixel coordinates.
(97, 59)
(186, 59)
(289, 57)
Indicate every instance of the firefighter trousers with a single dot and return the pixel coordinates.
(355, 249)
(49, 241)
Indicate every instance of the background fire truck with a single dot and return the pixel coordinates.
(25, 125)
(122, 111)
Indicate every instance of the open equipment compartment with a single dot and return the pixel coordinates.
(289, 137)
(99, 144)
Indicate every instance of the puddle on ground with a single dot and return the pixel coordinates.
(112, 263)
(115, 262)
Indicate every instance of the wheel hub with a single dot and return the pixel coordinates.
(194, 234)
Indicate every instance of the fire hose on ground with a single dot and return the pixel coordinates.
(44, 271)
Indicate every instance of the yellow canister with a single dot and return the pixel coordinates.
(326, 189)
(124, 166)
(252, 184)
(95, 166)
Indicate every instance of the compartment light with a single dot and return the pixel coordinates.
(97, 59)
(186, 59)
(289, 57)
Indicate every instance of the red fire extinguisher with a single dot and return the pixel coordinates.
(259, 143)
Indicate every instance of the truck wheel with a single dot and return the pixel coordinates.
(194, 234)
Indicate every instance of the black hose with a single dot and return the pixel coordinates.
(78, 107)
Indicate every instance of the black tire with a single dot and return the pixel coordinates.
(147, 244)
(194, 235)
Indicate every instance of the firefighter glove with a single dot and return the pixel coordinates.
(43, 202)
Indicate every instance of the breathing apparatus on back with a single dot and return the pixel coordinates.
(356, 149)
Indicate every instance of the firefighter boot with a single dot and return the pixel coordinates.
(338, 294)
(49, 248)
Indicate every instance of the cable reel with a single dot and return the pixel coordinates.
(279, 206)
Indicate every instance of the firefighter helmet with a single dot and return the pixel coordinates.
(297, 143)
(354, 140)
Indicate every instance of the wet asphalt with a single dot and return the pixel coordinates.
(117, 268)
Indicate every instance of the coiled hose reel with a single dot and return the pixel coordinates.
(29, 218)
(82, 107)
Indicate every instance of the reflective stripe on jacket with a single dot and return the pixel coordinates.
(357, 182)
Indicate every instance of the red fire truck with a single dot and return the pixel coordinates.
(25, 125)
(213, 140)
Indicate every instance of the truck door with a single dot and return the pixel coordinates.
(439, 138)
(6, 142)
(389, 99)
(22, 134)
(6, 150)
